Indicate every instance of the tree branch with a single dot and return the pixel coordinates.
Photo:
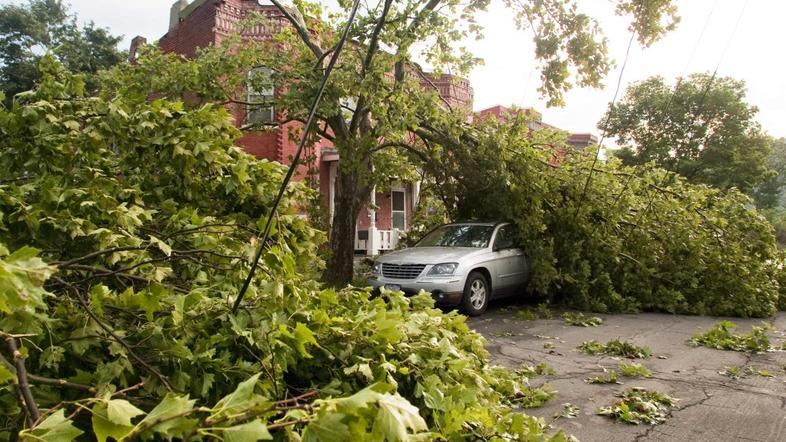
(21, 375)
(48, 381)
(95, 254)
(401, 145)
(297, 21)
(124, 344)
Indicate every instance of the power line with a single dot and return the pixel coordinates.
(704, 93)
(701, 36)
(605, 124)
(732, 35)
(296, 157)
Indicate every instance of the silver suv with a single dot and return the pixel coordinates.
(461, 264)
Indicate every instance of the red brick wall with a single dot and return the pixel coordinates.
(384, 213)
(213, 20)
(195, 31)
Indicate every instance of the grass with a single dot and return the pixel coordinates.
(579, 320)
(615, 347)
(720, 337)
(633, 370)
(639, 406)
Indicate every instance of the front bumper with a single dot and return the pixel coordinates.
(445, 291)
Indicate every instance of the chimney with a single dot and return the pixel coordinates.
(174, 13)
(136, 43)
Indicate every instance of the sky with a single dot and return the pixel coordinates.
(509, 76)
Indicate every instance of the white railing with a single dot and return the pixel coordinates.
(388, 239)
(378, 241)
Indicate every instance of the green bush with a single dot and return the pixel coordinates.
(636, 238)
(126, 230)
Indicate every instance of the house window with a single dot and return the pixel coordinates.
(399, 210)
(348, 107)
(260, 96)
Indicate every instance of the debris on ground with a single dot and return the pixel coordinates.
(569, 411)
(639, 406)
(579, 320)
(608, 377)
(720, 337)
(615, 347)
(634, 369)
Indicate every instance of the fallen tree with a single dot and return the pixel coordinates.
(126, 229)
(635, 238)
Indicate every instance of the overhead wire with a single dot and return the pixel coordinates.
(704, 93)
(296, 158)
(605, 125)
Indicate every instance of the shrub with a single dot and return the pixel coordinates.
(126, 230)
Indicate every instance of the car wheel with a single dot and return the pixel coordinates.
(476, 295)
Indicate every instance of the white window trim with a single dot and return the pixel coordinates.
(401, 189)
(252, 96)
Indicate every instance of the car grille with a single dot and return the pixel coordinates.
(403, 271)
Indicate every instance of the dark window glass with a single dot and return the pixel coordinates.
(460, 235)
(505, 238)
(398, 200)
(260, 96)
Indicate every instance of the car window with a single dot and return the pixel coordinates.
(460, 235)
(506, 237)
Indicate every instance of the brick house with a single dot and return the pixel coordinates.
(575, 140)
(200, 23)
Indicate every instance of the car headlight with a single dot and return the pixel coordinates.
(443, 269)
(376, 269)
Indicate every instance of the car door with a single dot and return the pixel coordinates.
(510, 262)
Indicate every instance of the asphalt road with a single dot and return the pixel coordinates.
(711, 407)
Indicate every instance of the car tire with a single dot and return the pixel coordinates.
(476, 295)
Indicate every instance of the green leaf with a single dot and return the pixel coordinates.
(303, 336)
(396, 415)
(55, 428)
(164, 247)
(104, 428)
(120, 411)
(242, 398)
(248, 432)
(6, 375)
(327, 427)
(168, 417)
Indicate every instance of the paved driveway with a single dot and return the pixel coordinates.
(711, 407)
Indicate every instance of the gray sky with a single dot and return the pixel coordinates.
(509, 76)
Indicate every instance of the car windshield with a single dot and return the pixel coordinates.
(461, 235)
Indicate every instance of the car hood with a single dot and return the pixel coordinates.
(430, 255)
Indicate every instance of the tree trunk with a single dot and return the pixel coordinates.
(347, 203)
